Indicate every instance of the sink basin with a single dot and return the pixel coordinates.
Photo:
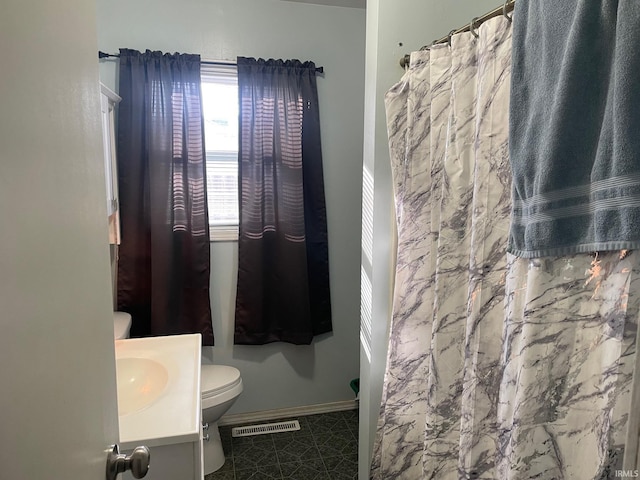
(141, 381)
(158, 386)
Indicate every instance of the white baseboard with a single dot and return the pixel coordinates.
(264, 415)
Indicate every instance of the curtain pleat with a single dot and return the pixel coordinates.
(283, 263)
(498, 367)
(163, 267)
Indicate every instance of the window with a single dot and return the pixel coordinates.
(220, 109)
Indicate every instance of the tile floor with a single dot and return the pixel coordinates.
(325, 448)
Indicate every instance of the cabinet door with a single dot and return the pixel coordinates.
(172, 462)
(108, 101)
(107, 140)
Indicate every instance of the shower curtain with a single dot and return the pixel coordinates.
(498, 367)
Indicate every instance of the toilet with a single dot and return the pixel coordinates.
(121, 325)
(220, 386)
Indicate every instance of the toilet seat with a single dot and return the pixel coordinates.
(219, 383)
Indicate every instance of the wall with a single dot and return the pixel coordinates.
(276, 375)
(412, 23)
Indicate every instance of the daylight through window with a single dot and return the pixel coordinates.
(220, 109)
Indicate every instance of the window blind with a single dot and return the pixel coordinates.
(220, 109)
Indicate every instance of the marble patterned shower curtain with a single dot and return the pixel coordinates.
(498, 367)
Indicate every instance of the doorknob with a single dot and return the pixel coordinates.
(137, 462)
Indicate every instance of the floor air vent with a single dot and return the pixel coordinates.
(250, 430)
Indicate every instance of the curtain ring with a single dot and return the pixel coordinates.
(504, 11)
(449, 37)
(471, 25)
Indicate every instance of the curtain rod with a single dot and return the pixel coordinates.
(117, 55)
(507, 7)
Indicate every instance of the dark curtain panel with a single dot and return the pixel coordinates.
(163, 268)
(283, 260)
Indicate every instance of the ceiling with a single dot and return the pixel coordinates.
(335, 3)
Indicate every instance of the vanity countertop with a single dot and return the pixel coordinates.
(173, 413)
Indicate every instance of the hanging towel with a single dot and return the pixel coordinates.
(575, 127)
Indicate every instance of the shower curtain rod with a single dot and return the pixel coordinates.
(470, 27)
(117, 55)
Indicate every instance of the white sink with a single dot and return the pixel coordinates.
(158, 381)
(140, 382)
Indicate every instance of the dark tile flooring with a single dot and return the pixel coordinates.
(325, 448)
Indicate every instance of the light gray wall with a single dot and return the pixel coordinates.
(277, 375)
(413, 23)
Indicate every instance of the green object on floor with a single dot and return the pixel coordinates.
(355, 385)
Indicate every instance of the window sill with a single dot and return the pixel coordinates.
(223, 233)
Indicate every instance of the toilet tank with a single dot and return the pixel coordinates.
(121, 325)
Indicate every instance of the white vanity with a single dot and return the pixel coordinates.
(159, 403)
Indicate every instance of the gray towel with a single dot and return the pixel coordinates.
(575, 127)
